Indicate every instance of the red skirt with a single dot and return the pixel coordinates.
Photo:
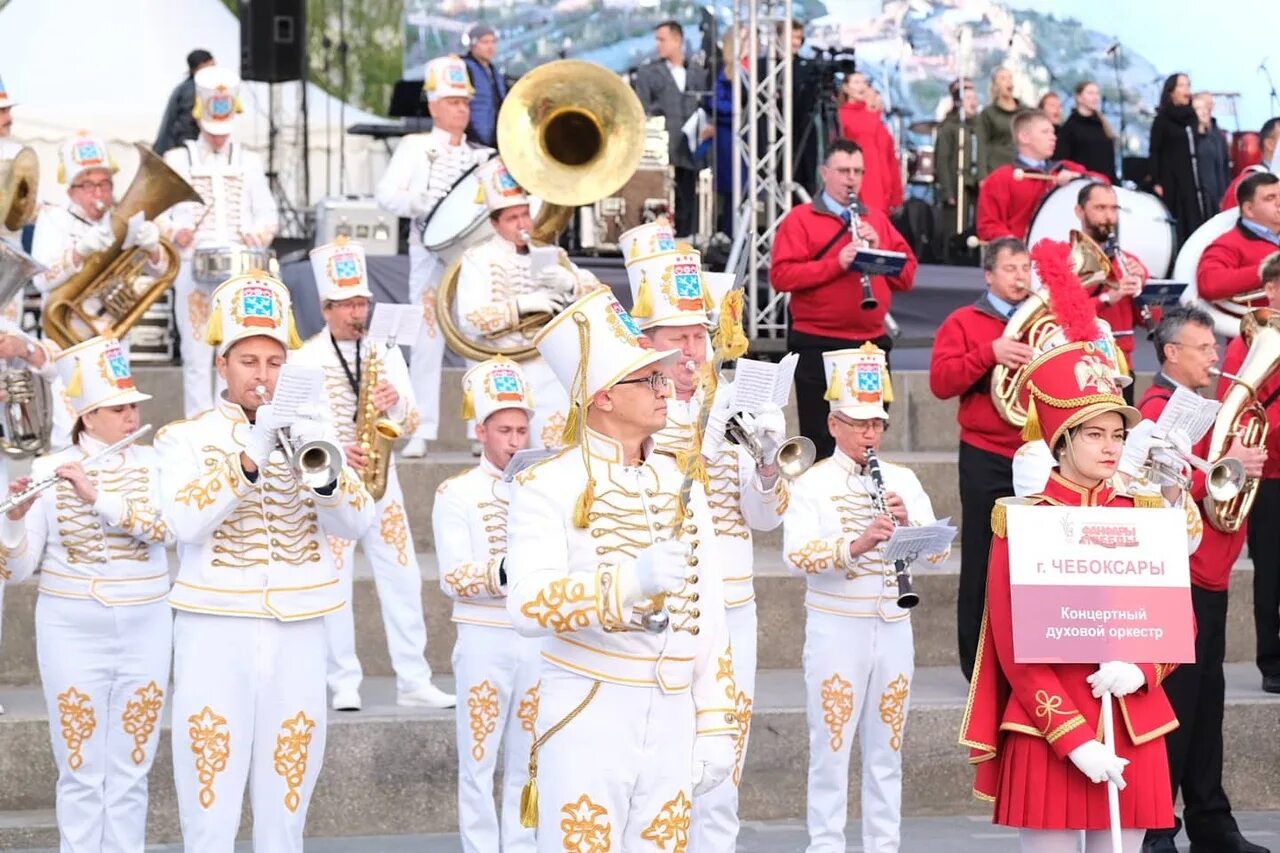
(1038, 790)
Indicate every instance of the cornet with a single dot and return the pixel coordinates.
(793, 456)
(316, 463)
(1223, 479)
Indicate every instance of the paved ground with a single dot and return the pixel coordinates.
(950, 834)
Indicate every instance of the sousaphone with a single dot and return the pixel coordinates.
(19, 180)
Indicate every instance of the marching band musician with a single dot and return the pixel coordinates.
(1009, 196)
(497, 671)
(102, 625)
(1269, 143)
(344, 353)
(238, 212)
(633, 720)
(497, 290)
(1263, 547)
(1229, 265)
(968, 345)
(859, 656)
(8, 147)
(423, 169)
(1187, 350)
(255, 574)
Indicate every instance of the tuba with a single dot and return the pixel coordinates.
(1242, 416)
(110, 293)
(570, 133)
(26, 414)
(375, 435)
(19, 181)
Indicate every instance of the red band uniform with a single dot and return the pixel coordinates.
(1006, 205)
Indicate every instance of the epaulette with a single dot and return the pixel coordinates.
(1000, 514)
(526, 476)
(447, 480)
(1147, 501)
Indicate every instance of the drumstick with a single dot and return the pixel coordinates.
(973, 242)
(1024, 175)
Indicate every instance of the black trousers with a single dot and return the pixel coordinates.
(686, 201)
(811, 384)
(984, 477)
(1264, 548)
(1195, 747)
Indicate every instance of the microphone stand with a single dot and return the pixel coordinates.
(1115, 65)
(1275, 99)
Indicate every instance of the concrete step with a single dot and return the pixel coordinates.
(779, 600)
(392, 770)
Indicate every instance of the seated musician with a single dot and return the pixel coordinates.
(1229, 266)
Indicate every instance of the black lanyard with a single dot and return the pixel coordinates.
(353, 379)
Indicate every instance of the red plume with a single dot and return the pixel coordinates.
(1068, 301)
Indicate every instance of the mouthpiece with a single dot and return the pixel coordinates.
(99, 205)
(524, 236)
(690, 365)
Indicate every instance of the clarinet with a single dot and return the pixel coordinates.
(1112, 249)
(869, 301)
(907, 598)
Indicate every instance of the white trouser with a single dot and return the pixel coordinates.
(191, 309)
(1069, 841)
(497, 676)
(388, 543)
(105, 672)
(619, 773)
(4, 485)
(857, 677)
(715, 813)
(550, 403)
(427, 356)
(248, 705)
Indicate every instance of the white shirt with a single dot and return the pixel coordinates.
(679, 72)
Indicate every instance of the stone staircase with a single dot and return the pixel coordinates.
(390, 770)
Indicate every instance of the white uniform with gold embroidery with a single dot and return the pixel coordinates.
(490, 278)
(237, 200)
(858, 653)
(622, 766)
(255, 575)
(495, 669)
(739, 503)
(103, 635)
(425, 167)
(388, 543)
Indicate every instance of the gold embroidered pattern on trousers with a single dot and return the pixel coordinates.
(429, 312)
(837, 708)
(140, 718)
(586, 827)
(482, 708)
(893, 704)
(78, 721)
(560, 595)
(671, 826)
(291, 756)
(211, 743)
(198, 312)
(742, 711)
(395, 532)
(527, 713)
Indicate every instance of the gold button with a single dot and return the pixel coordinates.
(694, 597)
(695, 613)
(693, 561)
(692, 528)
(695, 630)
(692, 579)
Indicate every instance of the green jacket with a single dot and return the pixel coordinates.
(995, 138)
(946, 155)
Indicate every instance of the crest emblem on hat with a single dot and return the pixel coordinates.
(506, 184)
(1093, 373)
(866, 381)
(87, 153)
(256, 306)
(114, 366)
(688, 285)
(455, 74)
(221, 104)
(622, 324)
(503, 384)
(345, 268)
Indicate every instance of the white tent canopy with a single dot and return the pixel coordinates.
(108, 66)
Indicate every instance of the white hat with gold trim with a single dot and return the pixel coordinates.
(858, 382)
(717, 286)
(83, 152)
(666, 290)
(493, 385)
(340, 271)
(247, 305)
(446, 77)
(5, 101)
(95, 373)
(500, 189)
(651, 238)
(217, 99)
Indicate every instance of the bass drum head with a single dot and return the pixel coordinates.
(1226, 315)
(1146, 229)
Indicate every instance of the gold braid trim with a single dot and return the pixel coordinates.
(529, 796)
(1000, 520)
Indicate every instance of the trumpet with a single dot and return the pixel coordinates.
(907, 597)
(869, 301)
(792, 456)
(39, 486)
(1224, 479)
(316, 463)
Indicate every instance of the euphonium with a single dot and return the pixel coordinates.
(1242, 417)
(106, 297)
(1030, 323)
(375, 435)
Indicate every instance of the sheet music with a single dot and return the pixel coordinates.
(522, 459)
(907, 543)
(394, 323)
(1188, 416)
(757, 383)
(298, 385)
(131, 230)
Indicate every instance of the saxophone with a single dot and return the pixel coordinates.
(375, 435)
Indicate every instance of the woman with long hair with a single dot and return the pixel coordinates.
(995, 124)
(1086, 136)
(1174, 168)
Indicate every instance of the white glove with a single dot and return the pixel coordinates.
(423, 203)
(252, 239)
(1099, 763)
(713, 760)
(148, 237)
(262, 436)
(558, 279)
(538, 303)
(1137, 447)
(312, 424)
(96, 239)
(1117, 678)
(659, 568)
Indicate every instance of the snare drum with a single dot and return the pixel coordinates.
(213, 265)
(1146, 229)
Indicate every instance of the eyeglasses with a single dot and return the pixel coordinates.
(94, 186)
(872, 425)
(657, 382)
(1203, 349)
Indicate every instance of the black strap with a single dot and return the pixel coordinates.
(1271, 398)
(353, 379)
(830, 243)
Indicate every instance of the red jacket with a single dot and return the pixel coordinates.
(826, 299)
(1230, 265)
(1124, 315)
(1006, 206)
(1229, 197)
(882, 183)
(1268, 393)
(960, 366)
(1212, 561)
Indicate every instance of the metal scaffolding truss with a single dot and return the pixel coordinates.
(762, 102)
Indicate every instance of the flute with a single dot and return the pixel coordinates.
(869, 301)
(907, 598)
(39, 486)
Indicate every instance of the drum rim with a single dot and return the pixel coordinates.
(426, 222)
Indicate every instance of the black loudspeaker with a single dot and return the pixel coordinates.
(273, 40)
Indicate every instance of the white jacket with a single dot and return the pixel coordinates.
(237, 197)
(251, 548)
(111, 551)
(57, 231)
(469, 519)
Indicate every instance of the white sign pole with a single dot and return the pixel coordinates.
(1113, 793)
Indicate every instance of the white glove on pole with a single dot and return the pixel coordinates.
(96, 239)
(1117, 678)
(713, 760)
(657, 569)
(1099, 763)
(262, 436)
(148, 237)
(538, 303)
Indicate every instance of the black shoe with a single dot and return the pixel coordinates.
(1271, 683)
(1159, 844)
(1232, 842)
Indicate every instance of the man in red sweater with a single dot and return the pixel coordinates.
(969, 343)
(1230, 263)
(1006, 203)
(882, 185)
(1269, 141)
(812, 254)
(1186, 349)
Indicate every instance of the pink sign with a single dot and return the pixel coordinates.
(1095, 584)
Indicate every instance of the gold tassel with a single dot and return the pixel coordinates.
(733, 341)
(213, 329)
(644, 298)
(833, 387)
(239, 105)
(196, 110)
(569, 435)
(62, 171)
(529, 803)
(1000, 520)
(295, 342)
(886, 392)
(1122, 363)
(1031, 431)
(707, 304)
(479, 199)
(582, 511)
(75, 386)
(468, 405)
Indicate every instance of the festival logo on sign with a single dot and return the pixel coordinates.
(688, 286)
(221, 104)
(866, 381)
(87, 153)
(623, 325)
(114, 366)
(503, 384)
(345, 268)
(257, 306)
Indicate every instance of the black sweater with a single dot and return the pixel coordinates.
(1083, 139)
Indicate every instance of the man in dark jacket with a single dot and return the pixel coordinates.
(178, 124)
(489, 83)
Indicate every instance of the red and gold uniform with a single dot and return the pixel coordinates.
(1123, 314)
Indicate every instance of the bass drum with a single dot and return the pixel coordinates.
(1226, 314)
(1146, 228)
(460, 220)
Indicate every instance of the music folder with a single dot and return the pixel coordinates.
(1162, 291)
(878, 262)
